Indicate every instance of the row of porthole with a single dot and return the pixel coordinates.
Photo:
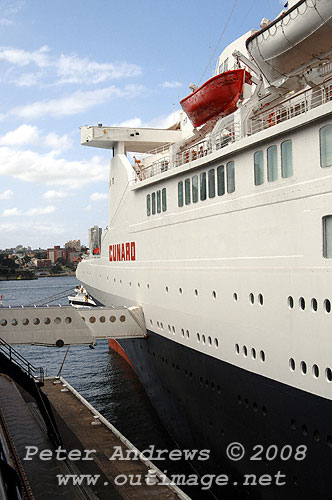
(254, 405)
(252, 351)
(305, 431)
(210, 385)
(315, 369)
(102, 319)
(35, 321)
(208, 340)
(314, 304)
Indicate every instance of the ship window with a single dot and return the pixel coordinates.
(226, 64)
(325, 136)
(230, 177)
(221, 67)
(259, 168)
(158, 201)
(153, 203)
(272, 164)
(327, 237)
(212, 183)
(286, 159)
(164, 199)
(203, 186)
(194, 186)
(221, 180)
(180, 194)
(187, 191)
(148, 204)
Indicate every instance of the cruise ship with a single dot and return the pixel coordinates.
(220, 228)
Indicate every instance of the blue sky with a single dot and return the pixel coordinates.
(67, 63)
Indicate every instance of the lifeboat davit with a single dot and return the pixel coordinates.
(299, 39)
(216, 97)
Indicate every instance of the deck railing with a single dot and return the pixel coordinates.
(295, 105)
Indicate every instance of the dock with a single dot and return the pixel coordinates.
(88, 441)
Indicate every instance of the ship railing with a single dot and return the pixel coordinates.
(294, 106)
(157, 167)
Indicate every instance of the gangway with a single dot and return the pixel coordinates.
(66, 325)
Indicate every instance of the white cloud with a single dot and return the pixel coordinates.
(171, 85)
(15, 212)
(6, 195)
(132, 122)
(66, 68)
(8, 10)
(77, 102)
(31, 135)
(49, 170)
(98, 196)
(55, 195)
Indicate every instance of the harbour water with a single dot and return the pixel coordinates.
(100, 375)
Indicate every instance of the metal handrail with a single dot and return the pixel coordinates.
(20, 361)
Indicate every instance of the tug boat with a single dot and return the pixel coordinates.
(217, 97)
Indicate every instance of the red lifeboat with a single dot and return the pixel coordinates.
(216, 97)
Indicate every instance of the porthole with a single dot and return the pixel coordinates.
(161, 324)
(293, 424)
(245, 351)
(304, 430)
(198, 337)
(47, 321)
(302, 303)
(315, 371)
(253, 353)
(173, 328)
(25, 321)
(262, 355)
(252, 298)
(169, 328)
(180, 291)
(328, 373)
(210, 340)
(255, 406)
(151, 322)
(314, 305)
(92, 319)
(237, 348)
(214, 294)
(3, 322)
(158, 324)
(292, 364)
(166, 288)
(303, 367)
(36, 321)
(102, 319)
(112, 319)
(148, 285)
(139, 285)
(196, 292)
(203, 339)
(260, 299)
(290, 301)
(14, 322)
(264, 411)
(327, 305)
(216, 343)
(188, 334)
(316, 436)
(182, 332)
(235, 296)
(68, 320)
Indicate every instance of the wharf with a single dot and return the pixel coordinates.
(81, 429)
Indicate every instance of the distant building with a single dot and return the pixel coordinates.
(73, 245)
(69, 254)
(94, 237)
(39, 263)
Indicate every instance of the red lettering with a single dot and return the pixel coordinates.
(118, 252)
(127, 251)
(132, 251)
(110, 253)
(123, 255)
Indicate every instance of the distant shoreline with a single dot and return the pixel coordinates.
(15, 278)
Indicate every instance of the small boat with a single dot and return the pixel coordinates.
(81, 299)
(217, 97)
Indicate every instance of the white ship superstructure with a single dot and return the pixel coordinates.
(223, 235)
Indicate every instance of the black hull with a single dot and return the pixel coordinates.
(208, 404)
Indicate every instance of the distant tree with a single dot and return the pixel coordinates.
(61, 261)
(56, 269)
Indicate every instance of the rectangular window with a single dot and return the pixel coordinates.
(226, 64)
(202, 179)
(194, 186)
(327, 237)
(286, 159)
(221, 180)
(153, 203)
(180, 194)
(221, 68)
(259, 168)
(212, 183)
(187, 197)
(158, 201)
(325, 140)
(164, 199)
(148, 205)
(272, 163)
(230, 171)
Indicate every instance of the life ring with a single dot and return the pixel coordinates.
(272, 119)
(187, 156)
